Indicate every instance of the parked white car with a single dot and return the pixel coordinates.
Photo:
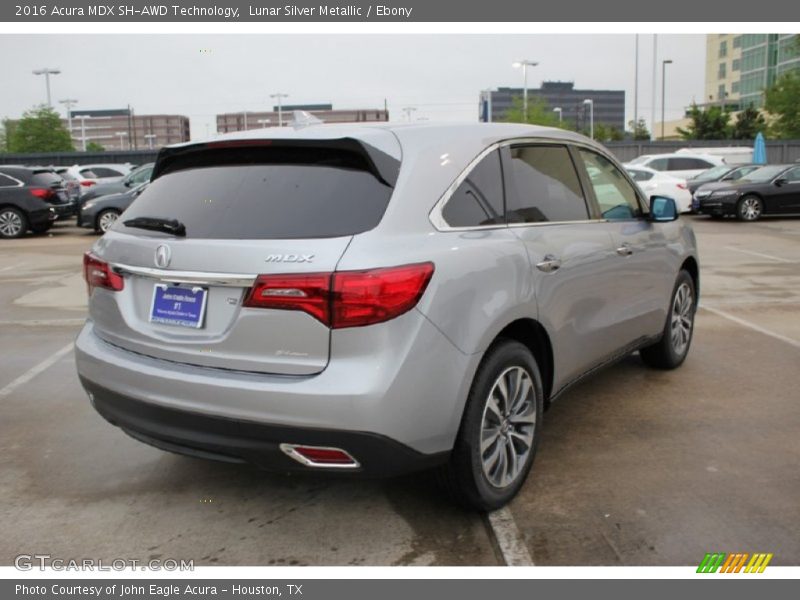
(656, 183)
(678, 164)
(732, 155)
(89, 175)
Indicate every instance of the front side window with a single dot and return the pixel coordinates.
(614, 193)
(792, 174)
(545, 186)
(479, 199)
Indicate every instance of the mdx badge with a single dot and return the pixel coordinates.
(290, 258)
(163, 256)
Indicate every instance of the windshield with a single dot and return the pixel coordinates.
(763, 174)
(713, 173)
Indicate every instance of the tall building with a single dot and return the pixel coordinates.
(241, 121)
(739, 67)
(122, 129)
(609, 105)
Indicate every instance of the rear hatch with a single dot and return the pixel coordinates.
(249, 211)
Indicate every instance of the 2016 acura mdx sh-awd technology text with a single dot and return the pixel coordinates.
(379, 299)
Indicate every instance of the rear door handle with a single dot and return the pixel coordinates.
(549, 264)
(624, 250)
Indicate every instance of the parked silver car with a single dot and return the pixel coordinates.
(379, 299)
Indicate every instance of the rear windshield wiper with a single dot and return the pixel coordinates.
(171, 226)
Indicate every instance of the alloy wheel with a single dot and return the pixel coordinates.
(106, 220)
(682, 319)
(10, 224)
(507, 427)
(751, 209)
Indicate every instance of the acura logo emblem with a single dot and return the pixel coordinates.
(163, 256)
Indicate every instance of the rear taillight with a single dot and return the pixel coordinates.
(683, 186)
(345, 298)
(42, 193)
(98, 273)
(87, 183)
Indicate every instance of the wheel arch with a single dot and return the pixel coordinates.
(690, 266)
(532, 334)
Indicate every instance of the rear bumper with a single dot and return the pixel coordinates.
(233, 440)
(402, 385)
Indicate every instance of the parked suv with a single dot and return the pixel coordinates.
(30, 199)
(679, 164)
(379, 299)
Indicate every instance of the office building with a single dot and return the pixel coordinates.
(241, 121)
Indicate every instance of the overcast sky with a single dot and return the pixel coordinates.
(202, 75)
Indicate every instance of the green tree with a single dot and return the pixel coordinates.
(39, 130)
(2, 138)
(748, 123)
(639, 130)
(539, 112)
(712, 123)
(781, 102)
(607, 133)
(94, 147)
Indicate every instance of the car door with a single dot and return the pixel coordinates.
(571, 254)
(642, 272)
(786, 197)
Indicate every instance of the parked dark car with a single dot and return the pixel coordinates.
(101, 213)
(768, 191)
(30, 199)
(720, 173)
(133, 179)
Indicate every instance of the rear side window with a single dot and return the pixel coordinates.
(545, 186)
(479, 199)
(310, 197)
(687, 164)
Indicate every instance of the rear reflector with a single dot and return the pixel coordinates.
(320, 456)
(99, 274)
(345, 298)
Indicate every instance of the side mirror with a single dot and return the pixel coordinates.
(662, 209)
(781, 181)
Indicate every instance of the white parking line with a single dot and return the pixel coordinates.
(33, 372)
(752, 326)
(760, 254)
(509, 539)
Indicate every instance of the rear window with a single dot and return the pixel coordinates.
(308, 196)
(45, 178)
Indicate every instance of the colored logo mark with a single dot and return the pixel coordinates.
(743, 562)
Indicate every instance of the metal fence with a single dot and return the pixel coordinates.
(785, 151)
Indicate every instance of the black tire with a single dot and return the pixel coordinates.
(749, 208)
(98, 227)
(665, 354)
(13, 223)
(464, 476)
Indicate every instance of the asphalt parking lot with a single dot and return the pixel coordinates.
(636, 467)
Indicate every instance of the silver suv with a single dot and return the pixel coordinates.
(380, 299)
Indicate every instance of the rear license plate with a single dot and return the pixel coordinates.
(180, 306)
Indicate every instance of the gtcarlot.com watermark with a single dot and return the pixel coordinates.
(29, 562)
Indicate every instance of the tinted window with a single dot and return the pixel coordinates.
(546, 186)
(615, 194)
(46, 178)
(7, 181)
(659, 164)
(104, 172)
(688, 164)
(637, 175)
(792, 174)
(479, 198)
(141, 175)
(89, 174)
(267, 201)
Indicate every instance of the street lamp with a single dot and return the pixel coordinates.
(664, 64)
(83, 130)
(408, 110)
(525, 64)
(560, 112)
(279, 96)
(69, 103)
(590, 103)
(47, 72)
(150, 137)
(121, 135)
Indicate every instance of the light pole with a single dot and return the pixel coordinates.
(525, 64)
(590, 103)
(83, 130)
(636, 84)
(47, 72)
(279, 96)
(121, 135)
(408, 110)
(69, 103)
(560, 112)
(664, 64)
(150, 137)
